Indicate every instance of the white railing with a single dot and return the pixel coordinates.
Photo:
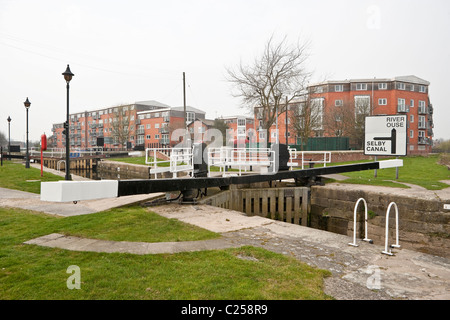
(365, 221)
(300, 158)
(180, 159)
(396, 245)
(60, 152)
(241, 158)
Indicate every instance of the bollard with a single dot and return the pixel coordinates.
(354, 222)
(396, 245)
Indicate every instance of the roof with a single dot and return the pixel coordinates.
(410, 79)
(188, 109)
(152, 103)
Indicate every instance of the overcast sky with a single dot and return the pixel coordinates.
(127, 51)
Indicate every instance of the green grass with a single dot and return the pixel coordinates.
(139, 160)
(33, 272)
(423, 171)
(15, 176)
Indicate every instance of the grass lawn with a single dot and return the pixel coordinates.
(33, 272)
(418, 170)
(14, 175)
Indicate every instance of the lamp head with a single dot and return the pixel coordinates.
(68, 74)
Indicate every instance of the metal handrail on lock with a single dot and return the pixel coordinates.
(396, 245)
(354, 222)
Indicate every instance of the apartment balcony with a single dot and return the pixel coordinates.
(140, 131)
(163, 130)
(401, 108)
(166, 119)
(164, 141)
(423, 140)
(430, 109)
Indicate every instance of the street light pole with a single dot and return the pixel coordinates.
(67, 76)
(27, 104)
(9, 138)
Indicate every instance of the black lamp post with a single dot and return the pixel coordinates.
(67, 76)
(9, 137)
(27, 104)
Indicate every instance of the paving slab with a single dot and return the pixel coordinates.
(31, 201)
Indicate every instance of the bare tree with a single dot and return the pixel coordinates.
(121, 125)
(306, 119)
(340, 119)
(273, 80)
(362, 110)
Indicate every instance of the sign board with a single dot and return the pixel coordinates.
(386, 135)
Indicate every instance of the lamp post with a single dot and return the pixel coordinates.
(9, 138)
(67, 76)
(27, 104)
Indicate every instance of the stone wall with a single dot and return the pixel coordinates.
(423, 223)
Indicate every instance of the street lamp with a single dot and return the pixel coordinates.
(67, 76)
(27, 104)
(9, 137)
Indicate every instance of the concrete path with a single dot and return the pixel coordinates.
(56, 240)
(358, 273)
(32, 201)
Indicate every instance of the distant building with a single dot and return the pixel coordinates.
(141, 124)
(340, 104)
(155, 128)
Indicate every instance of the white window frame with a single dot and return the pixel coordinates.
(382, 86)
(338, 103)
(382, 102)
(401, 86)
(361, 86)
(422, 106)
(422, 89)
(338, 88)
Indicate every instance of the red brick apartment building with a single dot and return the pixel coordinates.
(145, 124)
(356, 98)
(155, 127)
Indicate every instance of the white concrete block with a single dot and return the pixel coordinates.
(64, 191)
(393, 163)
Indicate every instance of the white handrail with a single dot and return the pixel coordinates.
(294, 156)
(396, 245)
(242, 157)
(354, 222)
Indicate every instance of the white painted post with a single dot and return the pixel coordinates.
(396, 245)
(365, 221)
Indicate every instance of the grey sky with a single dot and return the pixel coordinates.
(127, 51)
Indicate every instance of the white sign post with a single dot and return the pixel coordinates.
(386, 135)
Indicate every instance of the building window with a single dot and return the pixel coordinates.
(190, 116)
(339, 88)
(148, 137)
(338, 103)
(401, 106)
(401, 86)
(422, 89)
(422, 106)
(411, 134)
(422, 121)
(382, 86)
(241, 122)
(156, 136)
(149, 126)
(411, 103)
(156, 125)
(361, 86)
(411, 118)
(382, 101)
(412, 87)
